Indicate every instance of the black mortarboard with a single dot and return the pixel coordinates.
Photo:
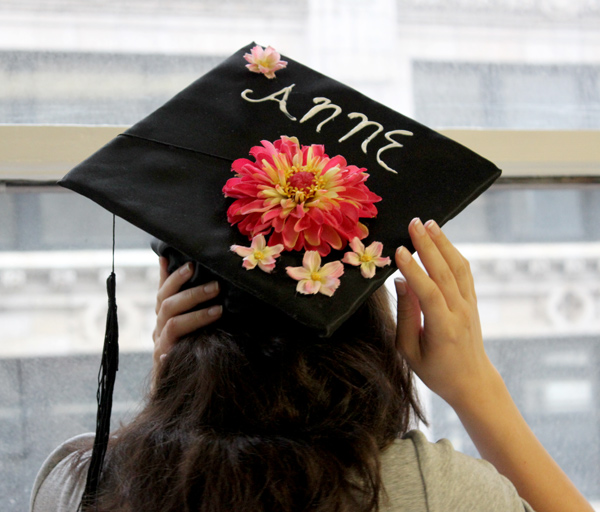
(167, 175)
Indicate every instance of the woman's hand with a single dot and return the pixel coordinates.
(174, 318)
(447, 352)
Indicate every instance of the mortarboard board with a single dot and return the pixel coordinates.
(166, 175)
(315, 165)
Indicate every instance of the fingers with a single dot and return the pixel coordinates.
(429, 295)
(408, 331)
(163, 272)
(179, 326)
(435, 263)
(172, 283)
(178, 303)
(173, 308)
(456, 261)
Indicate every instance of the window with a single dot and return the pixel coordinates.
(75, 74)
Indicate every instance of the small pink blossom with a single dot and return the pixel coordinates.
(258, 254)
(368, 258)
(265, 61)
(314, 278)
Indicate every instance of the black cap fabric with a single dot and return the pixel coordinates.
(171, 175)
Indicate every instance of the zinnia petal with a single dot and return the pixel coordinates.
(289, 235)
(332, 237)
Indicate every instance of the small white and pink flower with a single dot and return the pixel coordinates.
(266, 61)
(314, 278)
(368, 259)
(258, 254)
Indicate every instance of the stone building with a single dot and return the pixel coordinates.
(534, 243)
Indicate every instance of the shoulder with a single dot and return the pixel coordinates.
(440, 478)
(60, 481)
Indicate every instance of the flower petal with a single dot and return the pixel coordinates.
(311, 261)
(374, 250)
(242, 251)
(289, 235)
(266, 266)
(325, 217)
(357, 246)
(308, 286)
(367, 269)
(329, 287)
(298, 273)
(351, 258)
(332, 269)
(258, 243)
(274, 250)
(382, 262)
(332, 237)
(249, 263)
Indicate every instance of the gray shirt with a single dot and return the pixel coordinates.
(418, 476)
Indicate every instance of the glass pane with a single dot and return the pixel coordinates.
(535, 253)
(529, 64)
(532, 96)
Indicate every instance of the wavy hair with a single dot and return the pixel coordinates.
(281, 422)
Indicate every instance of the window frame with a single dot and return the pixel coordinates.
(42, 154)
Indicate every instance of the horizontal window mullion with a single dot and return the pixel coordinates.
(46, 152)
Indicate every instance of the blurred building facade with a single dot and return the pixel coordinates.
(529, 64)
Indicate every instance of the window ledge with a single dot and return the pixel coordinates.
(46, 153)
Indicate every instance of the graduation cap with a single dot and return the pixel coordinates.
(283, 184)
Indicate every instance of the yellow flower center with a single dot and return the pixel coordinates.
(365, 258)
(258, 255)
(314, 276)
(302, 183)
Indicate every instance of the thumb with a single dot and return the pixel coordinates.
(408, 331)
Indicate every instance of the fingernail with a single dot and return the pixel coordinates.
(400, 286)
(403, 254)
(432, 227)
(211, 287)
(418, 226)
(186, 269)
(215, 310)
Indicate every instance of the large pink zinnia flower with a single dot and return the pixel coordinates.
(299, 196)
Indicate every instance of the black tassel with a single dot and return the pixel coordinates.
(106, 383)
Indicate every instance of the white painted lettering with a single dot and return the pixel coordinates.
(363, 124)
(394, 144)
(325, 103)
(274, 97)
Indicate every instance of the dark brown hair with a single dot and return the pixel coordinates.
(285, 422)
